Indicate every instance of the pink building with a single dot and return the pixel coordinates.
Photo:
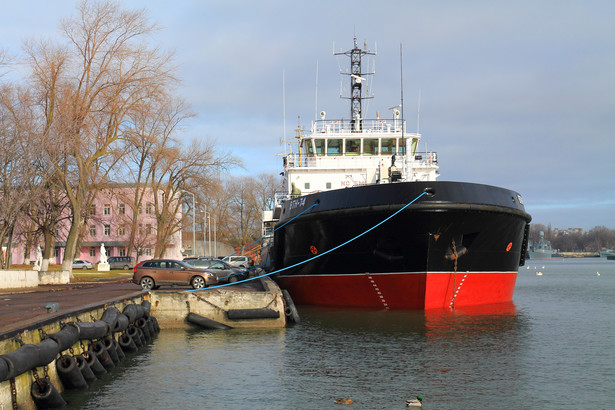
(109, 222)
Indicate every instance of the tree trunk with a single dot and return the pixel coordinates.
(72, 239)
(48, 252)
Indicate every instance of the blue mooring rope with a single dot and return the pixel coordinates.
(263, 237)
(317, 256)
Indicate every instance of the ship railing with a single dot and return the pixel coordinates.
(344, 126)
(418, 160)
(280, 197)
(424, 159)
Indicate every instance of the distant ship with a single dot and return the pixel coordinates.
(540, 249)
(359, 193)
(609, 254)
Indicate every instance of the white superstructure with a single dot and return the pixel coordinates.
(341, 154)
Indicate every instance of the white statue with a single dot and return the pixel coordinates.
(103, 254)
(39, 258)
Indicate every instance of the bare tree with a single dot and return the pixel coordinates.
(20, 172)
(88, 90)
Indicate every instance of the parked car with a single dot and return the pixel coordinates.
(155, 272)
(81, 264)
(223, 271)
(239, 260)
(121, 262)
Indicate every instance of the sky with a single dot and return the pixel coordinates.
(514, 94)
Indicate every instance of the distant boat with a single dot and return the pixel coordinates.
(541, 249)
(608, 253)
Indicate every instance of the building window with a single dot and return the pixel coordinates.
(140, 209)
(92, 230)
(121, 231)
(92, 251)
(140, 229)
(149, 208)
(107, 230)
(148, 251)
(122, 252)
(122, 209)
(307, 185)
(92, 209)
(328, 185)
(107, 209)
(148, 229)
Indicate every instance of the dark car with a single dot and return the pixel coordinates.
(155, 272)
(121, 262)
(223, 271)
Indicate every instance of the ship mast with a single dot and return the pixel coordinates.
(356, 84)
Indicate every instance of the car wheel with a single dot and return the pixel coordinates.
(147, 283)
(126, 267)
(198, 282)
(233, 279)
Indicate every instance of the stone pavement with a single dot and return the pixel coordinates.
(23, 308)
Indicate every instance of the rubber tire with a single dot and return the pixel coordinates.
(233, 279)
(147, 283)
(198, 282)
(126, 267)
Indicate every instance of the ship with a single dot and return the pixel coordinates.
(363, 222)
(541, 249)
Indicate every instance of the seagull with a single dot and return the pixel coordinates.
(418, 402)
(597, 273)
(538, 273)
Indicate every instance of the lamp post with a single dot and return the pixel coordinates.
(215, 247)
(193, 221)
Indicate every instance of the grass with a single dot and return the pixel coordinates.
(85, 275)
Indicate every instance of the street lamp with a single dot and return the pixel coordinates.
(215, 250)
(193, 221)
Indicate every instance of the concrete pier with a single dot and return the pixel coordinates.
(26, 317)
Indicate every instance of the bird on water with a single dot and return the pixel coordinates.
(418, 402)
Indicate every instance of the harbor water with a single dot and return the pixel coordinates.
(552, 348)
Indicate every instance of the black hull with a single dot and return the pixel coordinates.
(458, 227)
(485, 223)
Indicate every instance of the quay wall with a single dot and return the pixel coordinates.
(35, 335)
(170, 310)
(18, 279)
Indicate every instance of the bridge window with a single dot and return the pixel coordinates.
(334, 147)
(389, 146)
(370, 146)
(308, 147)
(320, 147)
(353, 147)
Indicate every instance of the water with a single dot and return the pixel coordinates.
(552, 348)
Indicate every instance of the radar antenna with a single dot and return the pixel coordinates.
(356, 83)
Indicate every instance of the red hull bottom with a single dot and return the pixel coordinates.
(424, 290)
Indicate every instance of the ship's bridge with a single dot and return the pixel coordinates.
(345, 153)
